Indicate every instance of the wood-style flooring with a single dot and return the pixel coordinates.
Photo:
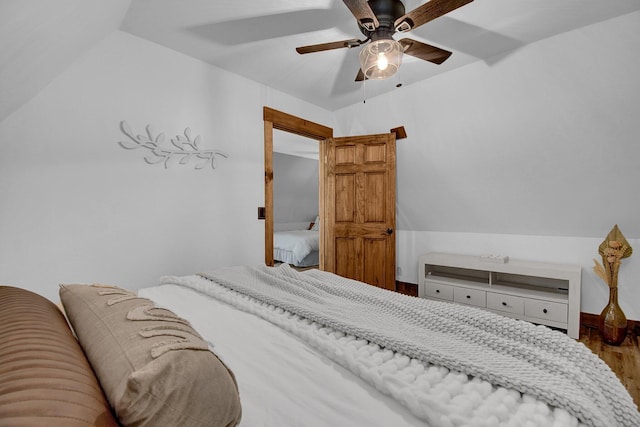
(624, 360)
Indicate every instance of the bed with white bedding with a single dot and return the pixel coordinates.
(314, 349)
(299, 248)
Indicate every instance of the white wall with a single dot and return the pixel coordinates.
(534, 155)
(295, 189)
(76, 207)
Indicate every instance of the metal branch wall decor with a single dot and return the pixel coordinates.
(184, 147)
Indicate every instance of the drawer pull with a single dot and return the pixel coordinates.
(504, 303)
(468, 296)
(544, 310)
(437, 291)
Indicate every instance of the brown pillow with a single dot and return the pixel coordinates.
(153, 366)
(45, 378)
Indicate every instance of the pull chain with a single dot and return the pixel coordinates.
(364, 90)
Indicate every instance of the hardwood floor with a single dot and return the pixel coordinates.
(624, 360)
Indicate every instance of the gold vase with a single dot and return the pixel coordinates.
(613, 322)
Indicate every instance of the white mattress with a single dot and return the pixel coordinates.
(282, 381)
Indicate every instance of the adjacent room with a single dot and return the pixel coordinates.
(320, 212)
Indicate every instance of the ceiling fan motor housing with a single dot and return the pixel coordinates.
(387, 12)
(382, 57)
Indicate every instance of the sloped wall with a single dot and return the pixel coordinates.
(39, 39)
(534, 155)
(295, 189)
(76, 207)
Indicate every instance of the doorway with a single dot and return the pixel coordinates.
(356, 198)
(274, 119)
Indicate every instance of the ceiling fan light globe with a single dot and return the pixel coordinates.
(381, 59)
(383, 62)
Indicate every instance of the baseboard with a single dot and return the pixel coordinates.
(407, 288)
(587, 320)
(590, 320)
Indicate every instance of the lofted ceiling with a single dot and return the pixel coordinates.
(39, 39)
(257, 39)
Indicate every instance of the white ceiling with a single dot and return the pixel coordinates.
(257, 38)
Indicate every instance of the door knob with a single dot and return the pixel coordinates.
(389, 231)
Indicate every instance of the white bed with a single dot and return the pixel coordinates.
(299, 248)
(293, 371)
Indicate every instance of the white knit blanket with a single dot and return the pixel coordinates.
(514, 354)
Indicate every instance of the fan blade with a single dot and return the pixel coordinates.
(360, 77)
(427, 12)
(329, 46)
(239, 31)
(363, 13)
(424, 51)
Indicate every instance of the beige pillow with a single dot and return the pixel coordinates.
(153, 366)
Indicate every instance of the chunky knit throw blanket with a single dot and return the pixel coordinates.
(514, 354)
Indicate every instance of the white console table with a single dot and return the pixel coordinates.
(544, 293)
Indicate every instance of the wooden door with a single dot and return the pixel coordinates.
(358, 205)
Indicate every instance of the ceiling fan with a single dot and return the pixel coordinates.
(379, 20)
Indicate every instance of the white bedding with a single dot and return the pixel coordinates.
(292, 247)
(283, 382)
(287, 375)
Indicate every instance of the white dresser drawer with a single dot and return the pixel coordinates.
(546, 310)
(507, 303)
(470, 296)
(438, 290)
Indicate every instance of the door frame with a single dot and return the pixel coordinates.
(274, 119)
